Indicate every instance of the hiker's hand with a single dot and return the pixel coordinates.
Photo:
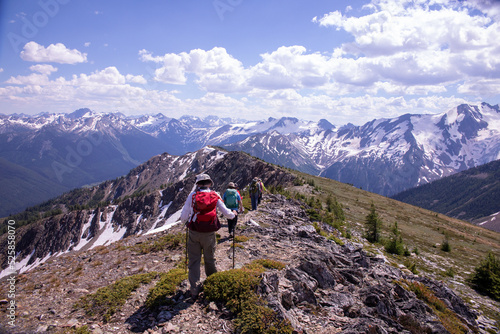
(235, 212)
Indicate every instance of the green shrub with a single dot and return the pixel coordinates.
(256, 317)
(165, 287)
(486, 277)
(449, 272)
(169, 241)
(241, 238)
(407, 251)
(261, 265)
(236, 289)
(335, 239)
(279, 189)
(106, 301)
(311, 182)
(445, 246)
(313, 214)
(81, 330)
(233, 287)
(298, 182)
(412, 266)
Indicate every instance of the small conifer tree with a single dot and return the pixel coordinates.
(446, 247)
(335, 207)
(395, 244)
(373, 224)
(486, 277)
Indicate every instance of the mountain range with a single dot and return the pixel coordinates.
(387, 156)
(53, 153)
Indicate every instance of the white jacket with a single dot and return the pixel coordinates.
(187, 210)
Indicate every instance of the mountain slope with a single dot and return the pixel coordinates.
(324, 286)
(468, 195)
(23, 187)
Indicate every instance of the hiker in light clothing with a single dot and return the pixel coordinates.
(200, 216)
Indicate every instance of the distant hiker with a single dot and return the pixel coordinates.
(232, 200)
(262, 189)
(200, 216)
(255, 191)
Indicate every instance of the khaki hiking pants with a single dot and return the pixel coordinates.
(197, 242)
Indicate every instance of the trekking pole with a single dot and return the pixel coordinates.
(234, 234)
(186, 260)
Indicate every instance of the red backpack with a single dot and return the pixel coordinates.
(204, 217)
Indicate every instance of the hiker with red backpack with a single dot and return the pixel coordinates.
(232, 200)
(200, 216)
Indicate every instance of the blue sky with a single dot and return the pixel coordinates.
(345, 61)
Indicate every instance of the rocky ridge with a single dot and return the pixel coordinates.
(324, 288)
(143, 200)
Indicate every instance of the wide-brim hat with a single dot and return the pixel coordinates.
(203, 177)
(231, 185)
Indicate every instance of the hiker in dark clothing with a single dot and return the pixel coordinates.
(255, 191)
(262, 189)
(200, 216)
(232, 200)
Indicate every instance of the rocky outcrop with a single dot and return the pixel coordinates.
(326, 287)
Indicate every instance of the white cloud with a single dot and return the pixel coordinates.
(110, 76)
(43, 69)
(106, 89)
(290, 67)
(87, 44)
(54, 53)
(217, 71)
(1, 70)
(406, 43)
(481, 87)
(34, 79)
